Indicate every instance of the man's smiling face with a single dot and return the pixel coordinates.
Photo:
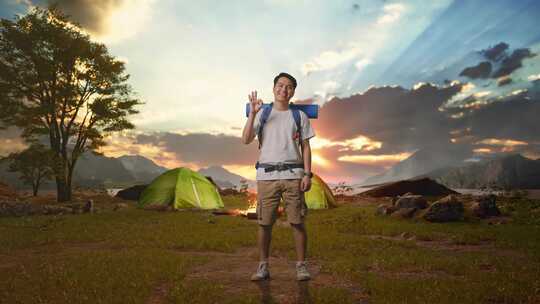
(283, 90)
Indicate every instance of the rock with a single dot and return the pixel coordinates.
(18, 209)
(89, 206)
(51, 209)
(404, 212)
(412, 201)
(485, 206)
(446, 209)
(383, 209)
(120, 206)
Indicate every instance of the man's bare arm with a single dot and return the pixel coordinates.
(306, 153)
(305, 184)
(248, 134)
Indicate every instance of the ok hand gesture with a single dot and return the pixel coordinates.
(255, 104)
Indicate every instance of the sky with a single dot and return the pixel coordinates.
(391, 77)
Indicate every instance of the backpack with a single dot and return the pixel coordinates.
(264, 117)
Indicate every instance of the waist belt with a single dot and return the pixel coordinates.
(278, 167)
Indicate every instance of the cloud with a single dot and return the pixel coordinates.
(513, 62)
(331, 85)
(498, 56)
(496, 53)
(106, 20)
(202, 149)
(359, 143)
(328, 90)
(330, 59)
(383, 159)
(534, 77)
(362, 63)
(392, 12)
(482, 70)
(504, 81)
(511, 117)
(502, 142)
(398, 118)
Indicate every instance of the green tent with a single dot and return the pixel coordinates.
(181, 188)
(319, 196)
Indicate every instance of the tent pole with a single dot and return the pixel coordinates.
(196, 193)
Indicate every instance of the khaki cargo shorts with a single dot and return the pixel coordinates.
(269, 194)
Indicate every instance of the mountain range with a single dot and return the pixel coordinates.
(507, 172)
(453, 168)
(224, 178)
(458, 171)
(421, 162)
(94, 170)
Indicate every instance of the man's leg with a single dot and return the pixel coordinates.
(265, 237)
(296, 211)
(300, 240)
(268, 196)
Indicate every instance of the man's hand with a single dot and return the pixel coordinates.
(305, 185)
(255, 104)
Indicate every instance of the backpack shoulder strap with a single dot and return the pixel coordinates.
(297, 119)
(264, 117)
(298, 122)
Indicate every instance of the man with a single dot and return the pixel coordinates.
(283, 170)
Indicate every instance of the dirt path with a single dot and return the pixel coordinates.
(233, 270)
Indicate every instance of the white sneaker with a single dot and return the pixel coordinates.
(262, 272)
(302, 273)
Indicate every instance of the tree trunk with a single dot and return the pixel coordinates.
(63, 184)
(36, 185)
(62, 194)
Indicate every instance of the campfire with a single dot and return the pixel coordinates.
(250, 212)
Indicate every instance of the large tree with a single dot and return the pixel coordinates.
(56, 82)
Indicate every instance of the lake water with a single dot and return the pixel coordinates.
(113, 191)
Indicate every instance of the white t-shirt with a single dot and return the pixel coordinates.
(279, 143)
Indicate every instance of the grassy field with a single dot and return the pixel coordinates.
(138, 256)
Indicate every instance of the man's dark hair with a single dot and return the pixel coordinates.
(285, 75)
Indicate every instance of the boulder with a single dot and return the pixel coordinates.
(412, 201)
(52, 209)
(383, 209)
(14, 208)
(446, 209)
(404, 213)
(485, 206)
